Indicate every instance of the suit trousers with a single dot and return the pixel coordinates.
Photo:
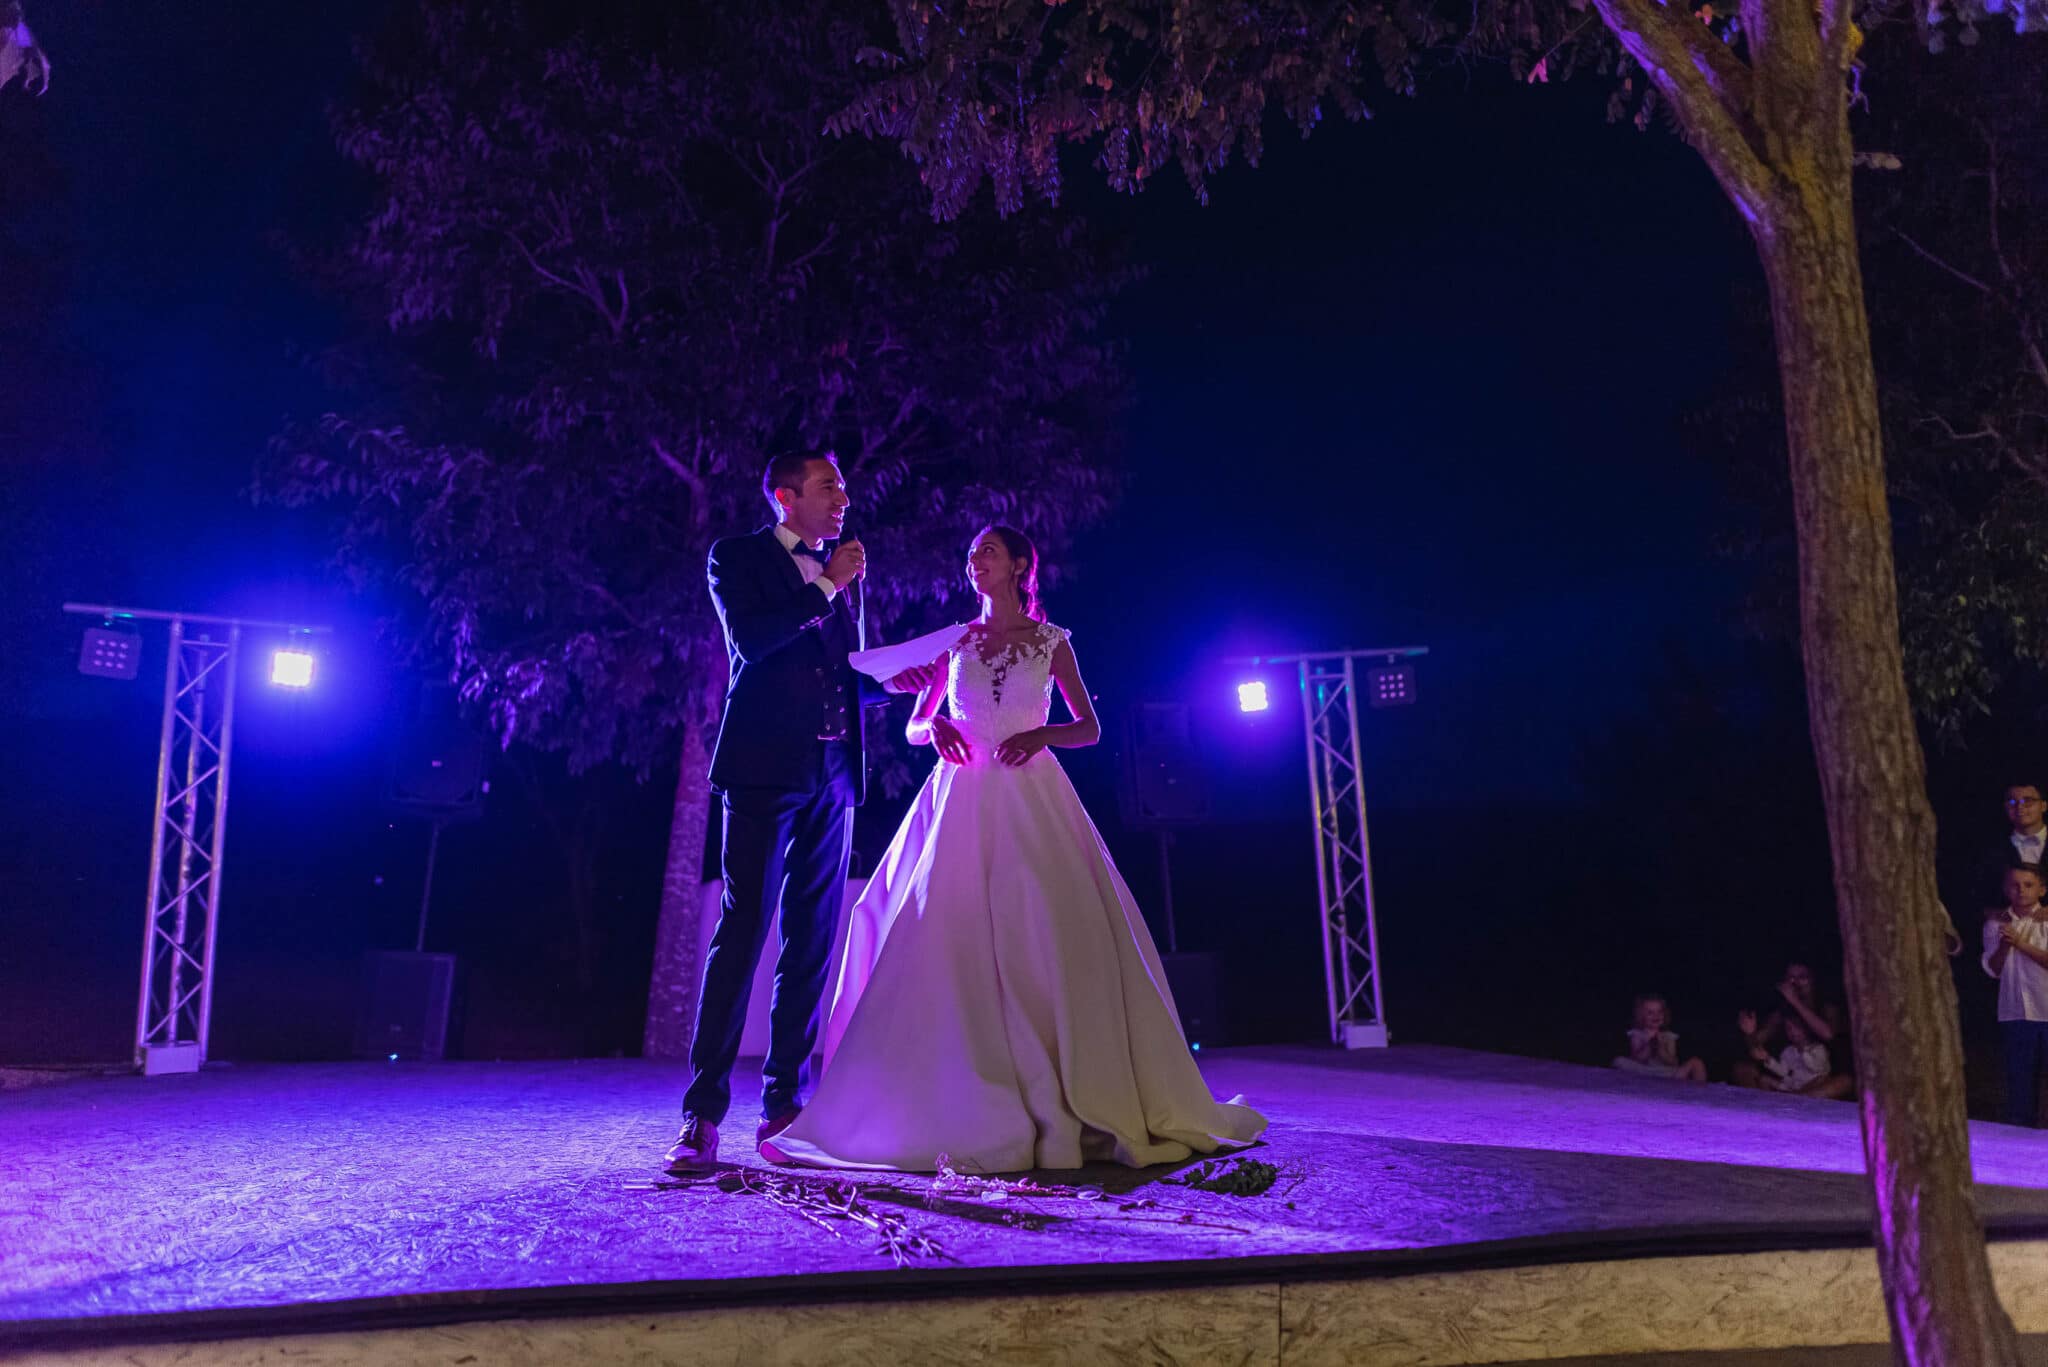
(2026, 1055)
(780, 844)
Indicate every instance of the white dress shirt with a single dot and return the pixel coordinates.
(812, 570)
(2023, 986)
(2028, 847)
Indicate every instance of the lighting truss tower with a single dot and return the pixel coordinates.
(174, 1003)
(1330, 688)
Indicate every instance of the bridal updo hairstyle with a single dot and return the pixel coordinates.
(1024, 553)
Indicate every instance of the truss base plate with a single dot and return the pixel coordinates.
(169, 1058)
(1357, 1036)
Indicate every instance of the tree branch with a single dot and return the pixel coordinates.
(1717, 65)
(2013, 298)
(1972, 281)
(1709, 88)
(1991, 193)
(542, 271)
(593, 290)
(1985, 433)
(1798, 100)
(2036, 360)
(1839, 36)
(19, 53)
(611, 600)
(824, 245)
(586, 286)
(2016, 297)
(690, 478)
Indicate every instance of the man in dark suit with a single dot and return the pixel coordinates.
(2025, 843)
(789, 768)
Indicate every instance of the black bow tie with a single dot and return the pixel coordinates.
(807, 552)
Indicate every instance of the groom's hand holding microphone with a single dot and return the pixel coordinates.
(848, 563)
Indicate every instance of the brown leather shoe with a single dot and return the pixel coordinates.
(696, 1148)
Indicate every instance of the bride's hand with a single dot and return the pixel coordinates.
(1019, 748)
(915, 679)
(946, 738)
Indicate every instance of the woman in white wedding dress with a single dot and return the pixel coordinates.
(1001, 1005)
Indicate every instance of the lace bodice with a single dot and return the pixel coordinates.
(995, 693)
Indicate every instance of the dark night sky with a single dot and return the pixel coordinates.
(1417, 381)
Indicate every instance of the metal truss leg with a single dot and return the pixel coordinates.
(174, 1003)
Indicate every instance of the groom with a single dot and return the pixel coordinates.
(790, 768)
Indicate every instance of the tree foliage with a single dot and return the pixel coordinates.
(1958, 271)
(989, 93)
(1961, 321)
(610, 264)
(20, 55)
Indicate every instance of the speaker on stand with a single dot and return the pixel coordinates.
(438, 775)
(1162, 786)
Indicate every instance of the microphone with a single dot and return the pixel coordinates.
(857, 599)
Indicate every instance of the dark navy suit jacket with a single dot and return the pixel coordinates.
(786, 645)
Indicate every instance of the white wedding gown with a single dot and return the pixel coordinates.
(1001, 1006)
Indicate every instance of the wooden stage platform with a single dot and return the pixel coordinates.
(1433, 1206)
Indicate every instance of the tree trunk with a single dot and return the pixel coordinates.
(1930, 1242)
(672, 992)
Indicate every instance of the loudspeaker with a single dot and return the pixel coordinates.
(1192, 979)
(439, 768)
(1163, 780)
(403, 1012)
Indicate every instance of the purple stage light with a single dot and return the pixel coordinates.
(1251, 697)
(1393, 686)
(110, 654)
(291, 669)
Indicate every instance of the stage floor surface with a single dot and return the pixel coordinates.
(254, 1198)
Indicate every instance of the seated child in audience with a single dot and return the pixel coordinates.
(1798, 1066)
(1653, 1045)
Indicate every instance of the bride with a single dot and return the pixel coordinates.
(1001, 1005)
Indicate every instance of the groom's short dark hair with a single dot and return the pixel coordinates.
(786, 471)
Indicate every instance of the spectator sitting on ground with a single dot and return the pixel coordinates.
(1822, 1023)
(1799, 1065)
(1653, 1046)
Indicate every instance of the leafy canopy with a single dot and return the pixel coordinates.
(611, 263)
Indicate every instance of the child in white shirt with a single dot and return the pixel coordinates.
(2016, 953)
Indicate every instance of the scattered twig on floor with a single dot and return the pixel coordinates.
(995, 1190)
(829, 1206)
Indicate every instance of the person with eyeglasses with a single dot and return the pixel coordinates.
(2025, 843)
(2029, 818)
